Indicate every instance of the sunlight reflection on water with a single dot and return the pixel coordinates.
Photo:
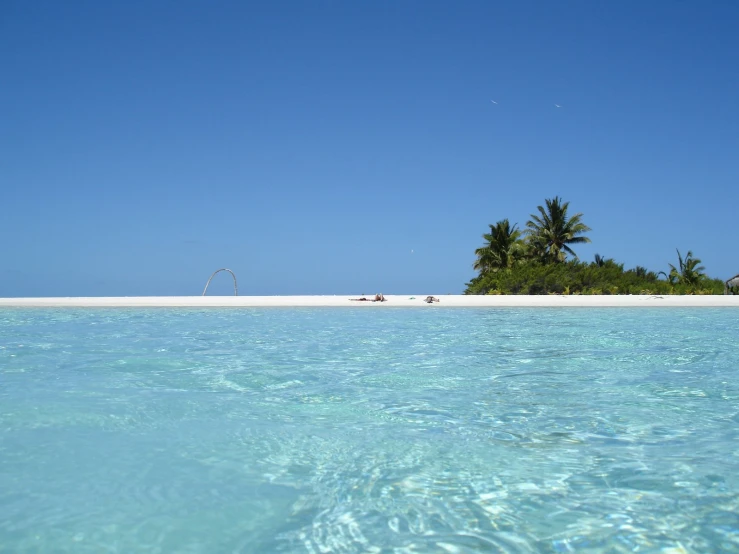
(320, 430)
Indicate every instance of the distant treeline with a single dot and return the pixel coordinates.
(535, 261)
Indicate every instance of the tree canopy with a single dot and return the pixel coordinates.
(552, 231)
(540, 260)
(502, 249)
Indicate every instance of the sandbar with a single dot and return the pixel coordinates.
(392, 301)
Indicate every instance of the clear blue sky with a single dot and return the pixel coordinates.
(321, 147)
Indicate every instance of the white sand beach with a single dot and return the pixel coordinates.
(391, 301)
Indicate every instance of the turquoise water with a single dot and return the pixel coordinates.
(355, 430)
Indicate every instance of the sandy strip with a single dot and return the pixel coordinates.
(512, 301)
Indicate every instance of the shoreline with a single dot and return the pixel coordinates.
(405, 301)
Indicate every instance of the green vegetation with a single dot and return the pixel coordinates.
(504, 248)
(536, 262)
(688, 271)
(551, 232)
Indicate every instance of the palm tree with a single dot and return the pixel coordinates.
(485, 260)
(536, 248)
(551, 232)
(688, 271)
(644, 273)
(504, 247)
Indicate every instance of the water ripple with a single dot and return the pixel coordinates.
(318, 430)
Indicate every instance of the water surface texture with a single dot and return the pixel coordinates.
(354, 430)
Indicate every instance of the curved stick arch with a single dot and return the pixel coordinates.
(236, 287)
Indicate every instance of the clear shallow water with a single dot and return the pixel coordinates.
(355, 430)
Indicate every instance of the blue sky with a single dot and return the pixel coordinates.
(352, 147)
